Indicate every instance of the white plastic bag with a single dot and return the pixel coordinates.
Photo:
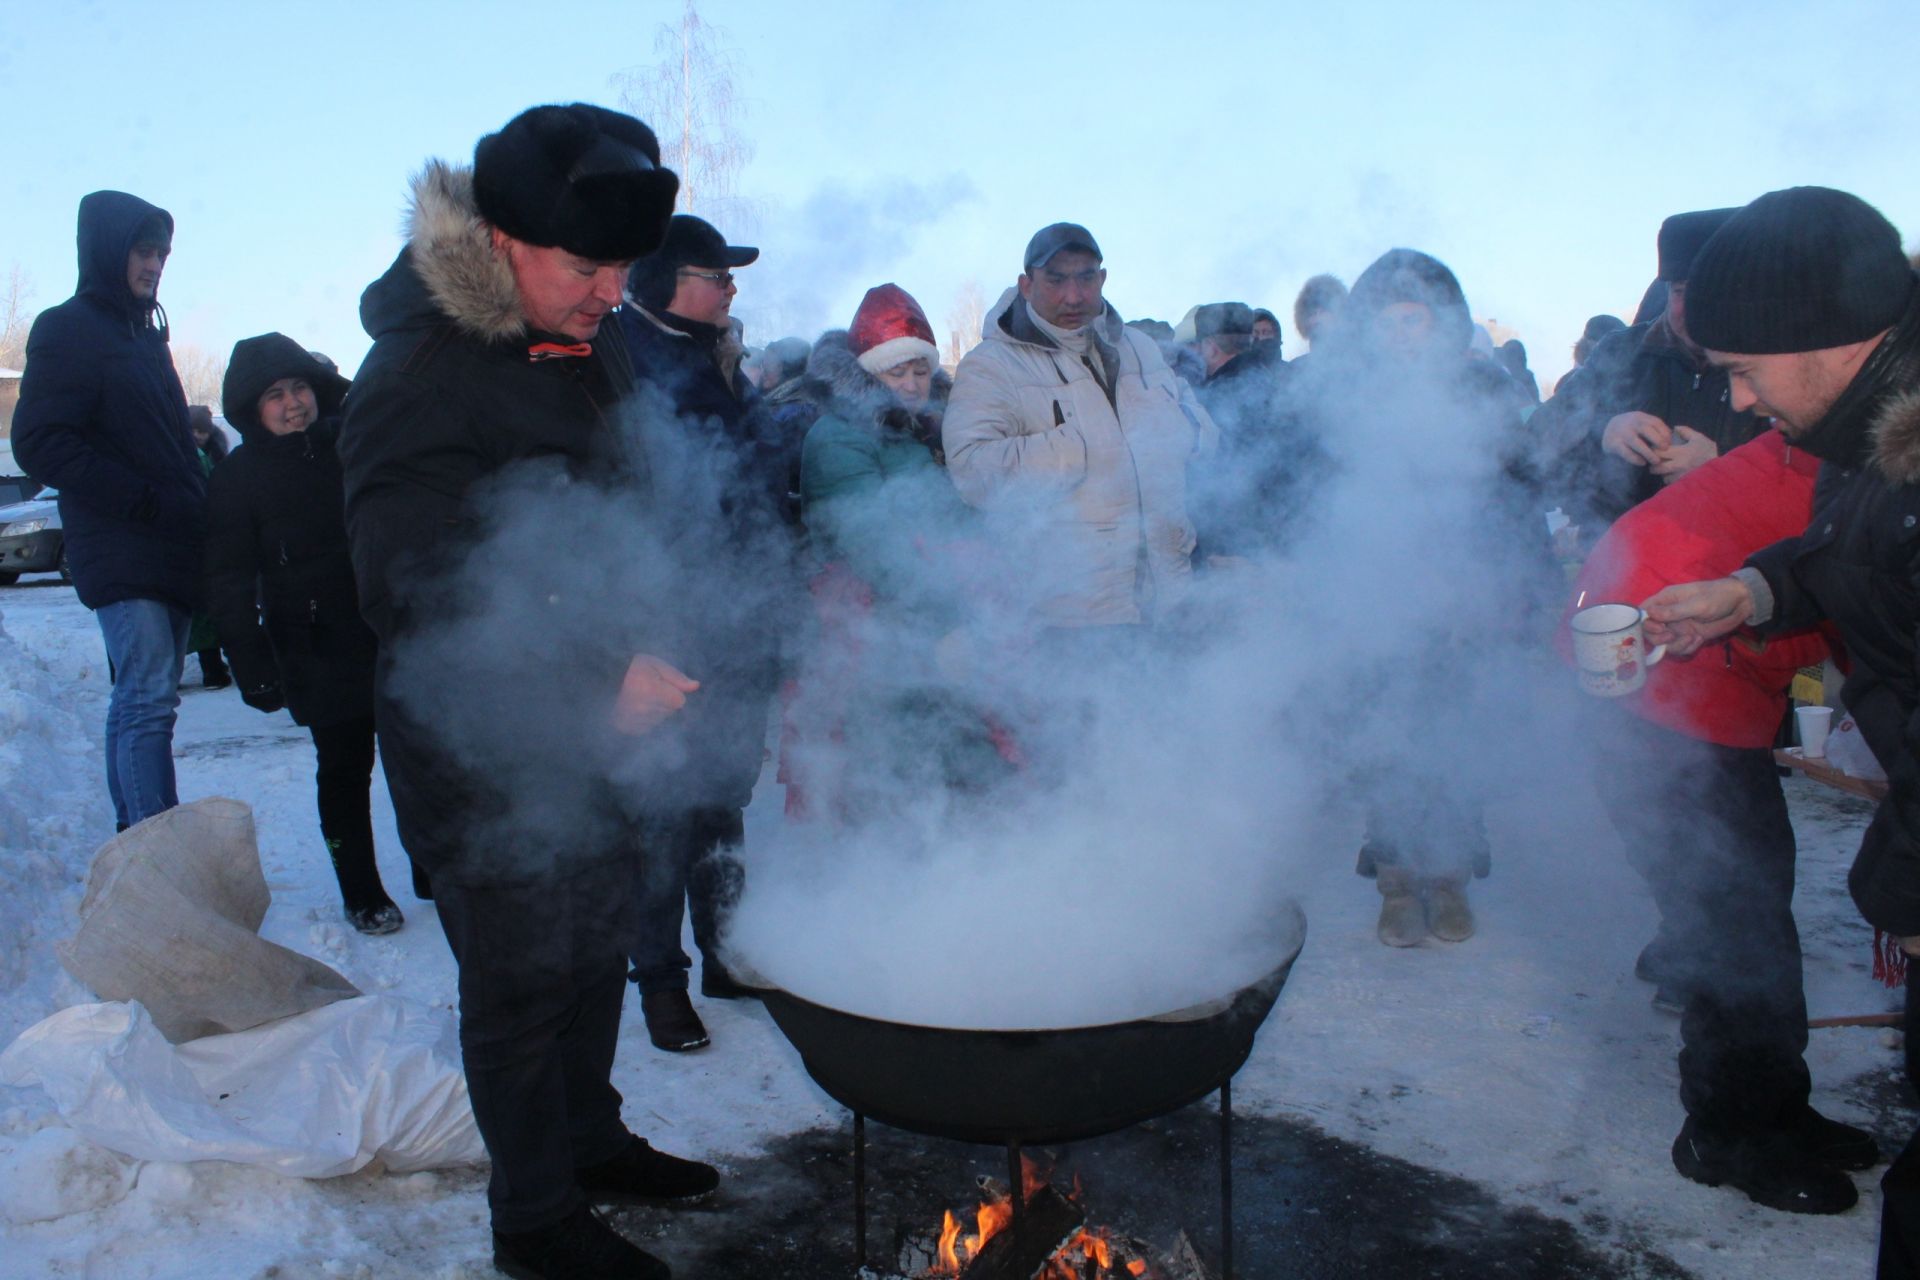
(315, 1095)
(1848, 752)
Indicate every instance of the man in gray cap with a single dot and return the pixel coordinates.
(1807, 302)
(493, 379)
(1071, 428)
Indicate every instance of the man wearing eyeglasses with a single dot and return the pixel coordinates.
(727, 476)
(1070, 429)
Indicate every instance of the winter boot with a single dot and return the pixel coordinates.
(640, 1175)
(362, 897)
(1773, 1168)
(1403, 921)
(672, 1024)
(1448, 915)
(1834, 1142)
(581, 1246)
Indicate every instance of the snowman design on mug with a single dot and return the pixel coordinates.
(1610, 648)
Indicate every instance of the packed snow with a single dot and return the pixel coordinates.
(1527, 1059)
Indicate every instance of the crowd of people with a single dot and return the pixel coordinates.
(799, 531)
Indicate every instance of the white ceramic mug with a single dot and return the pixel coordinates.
(1610, 648)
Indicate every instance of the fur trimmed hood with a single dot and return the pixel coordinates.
(1896, 438)
(451, 250)
(858, 393)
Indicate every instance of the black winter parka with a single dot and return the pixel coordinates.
(102, 418)
(1858, 566)
(1644, 369)
(485, 464)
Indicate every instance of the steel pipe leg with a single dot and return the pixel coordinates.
(1226, 1180)
(859, 1191)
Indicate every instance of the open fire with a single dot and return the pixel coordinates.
(1057, 1244)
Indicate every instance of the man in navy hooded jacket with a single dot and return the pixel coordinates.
(102, 419)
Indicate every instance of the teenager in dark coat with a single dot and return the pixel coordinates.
(102, 419)
(728, 474)
(1397, 365)
(280, 590)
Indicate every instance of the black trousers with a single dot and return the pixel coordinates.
(1707, 826)
(343, 778)
(688, 857)
(542, 977)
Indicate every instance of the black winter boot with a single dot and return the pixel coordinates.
(641, 1175)
(1772, 1168)
(581, 1246)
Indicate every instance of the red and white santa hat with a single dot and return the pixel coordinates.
(890, 329)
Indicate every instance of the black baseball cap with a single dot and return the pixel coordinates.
(1048, 241)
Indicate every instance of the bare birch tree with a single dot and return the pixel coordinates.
(201, 373)
(16, 317)
(689, 100)
(964, 318)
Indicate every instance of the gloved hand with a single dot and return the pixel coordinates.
(267, 698)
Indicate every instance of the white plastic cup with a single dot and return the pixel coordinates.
(1814, 723)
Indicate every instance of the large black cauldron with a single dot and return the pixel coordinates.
(1033, 1086)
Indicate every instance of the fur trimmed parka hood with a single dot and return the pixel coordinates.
(1896, 439)
(448, 271)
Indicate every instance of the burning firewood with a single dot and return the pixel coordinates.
(1048, 1221)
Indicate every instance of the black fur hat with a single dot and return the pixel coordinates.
(579, 177)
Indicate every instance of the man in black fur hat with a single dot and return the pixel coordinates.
(492, 379)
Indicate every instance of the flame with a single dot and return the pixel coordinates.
(993, 1217)
(949, 1233)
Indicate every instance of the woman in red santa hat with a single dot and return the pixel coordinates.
(896, 564)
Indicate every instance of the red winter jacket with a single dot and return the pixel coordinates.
(1704, 525)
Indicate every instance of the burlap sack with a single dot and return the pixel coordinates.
(171, 919)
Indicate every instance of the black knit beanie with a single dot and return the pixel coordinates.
(1683, 236)
(1798, 270)
(579, 177)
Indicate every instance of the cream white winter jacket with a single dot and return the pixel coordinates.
(1091, 491)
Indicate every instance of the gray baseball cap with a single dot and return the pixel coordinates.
(1048, 241)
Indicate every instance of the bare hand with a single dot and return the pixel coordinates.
(652, 690)
(1690, 614)
(1689, 449)
(1638, 438)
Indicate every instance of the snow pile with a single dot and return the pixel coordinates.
(50, 815)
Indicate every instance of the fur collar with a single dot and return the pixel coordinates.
(1896, 438)
(452, 250)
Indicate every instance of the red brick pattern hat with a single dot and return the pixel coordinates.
(890, 329)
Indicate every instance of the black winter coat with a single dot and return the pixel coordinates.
(102, 419)
(1644, 369)
(725, 474)
(1248, 496)
(1858, 565)
(503, 635)
(277, 536)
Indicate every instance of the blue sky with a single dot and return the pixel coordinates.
(1218, 151)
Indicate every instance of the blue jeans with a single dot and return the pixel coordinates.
(147, 644)
(687, 860)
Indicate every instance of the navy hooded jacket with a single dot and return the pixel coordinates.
(103, 419)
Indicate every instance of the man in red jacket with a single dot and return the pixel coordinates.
(1686, 770)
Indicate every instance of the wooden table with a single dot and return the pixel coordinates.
(1819, 770)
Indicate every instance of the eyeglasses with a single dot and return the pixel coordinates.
(721, 279)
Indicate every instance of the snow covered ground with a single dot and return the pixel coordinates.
(1527, 1060)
